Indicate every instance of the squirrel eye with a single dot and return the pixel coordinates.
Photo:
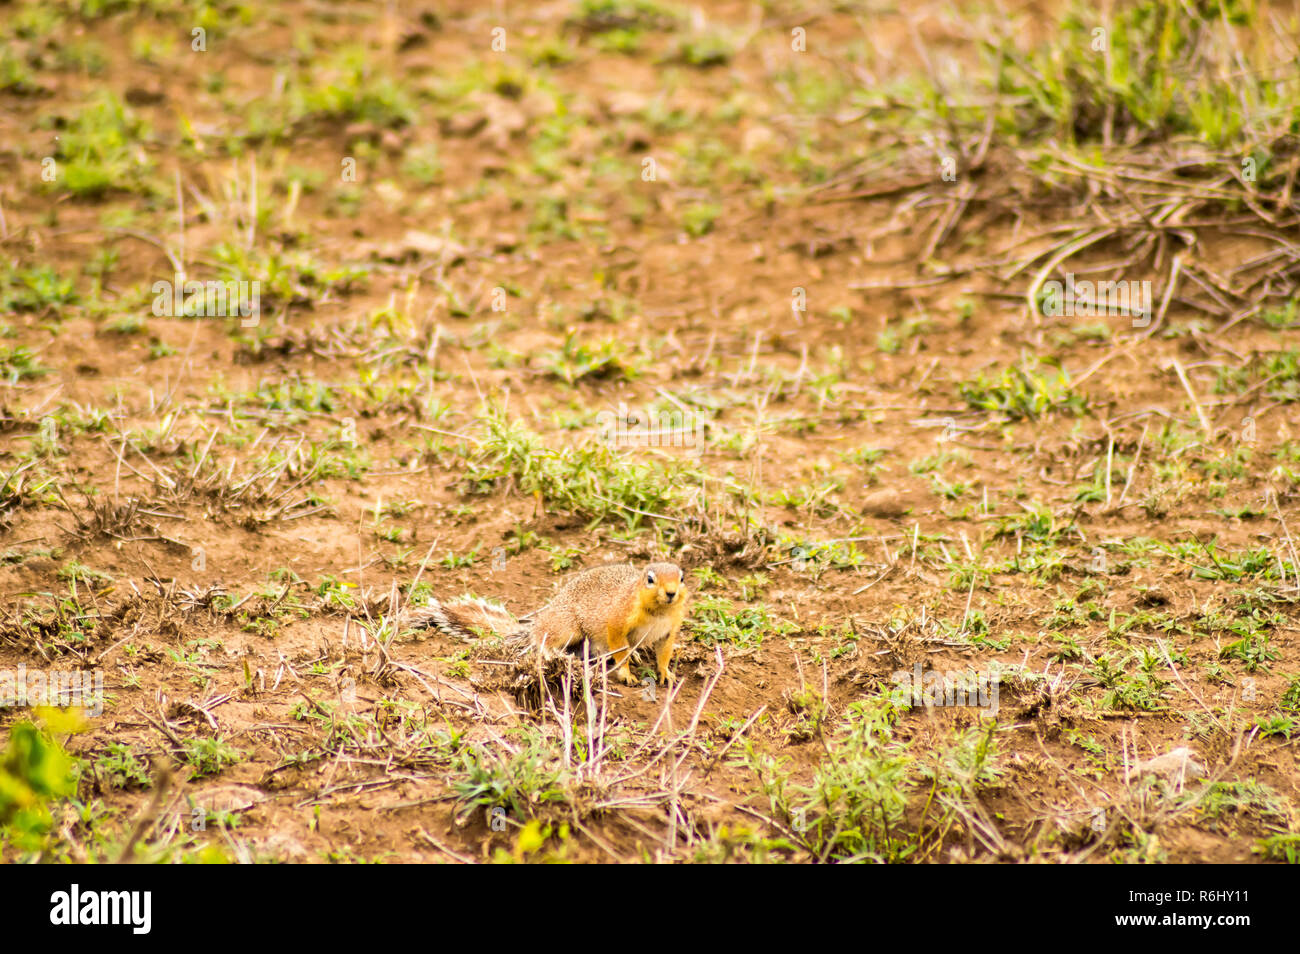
(650, 578)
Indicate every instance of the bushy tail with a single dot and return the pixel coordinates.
(466, 618)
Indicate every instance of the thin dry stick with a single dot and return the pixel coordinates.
(162, 782)
(663, 713)
(969, 595)
(1110, 460)
(1187, 386)
(180, 222)
(587, 701)
(678, 782)
(889, 569)
(717, 759)
(1295, 562)
(1174, 269)
(454, 855)
(420, 572)
(1098, 365)
(1133, 469)
(1071, 248)
(1160, 644)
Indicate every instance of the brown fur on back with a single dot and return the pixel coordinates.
(613, 608)
(589, 599)
(592, 600)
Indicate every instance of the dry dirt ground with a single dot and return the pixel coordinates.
(733, 215)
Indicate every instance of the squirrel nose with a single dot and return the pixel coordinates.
(670, 596)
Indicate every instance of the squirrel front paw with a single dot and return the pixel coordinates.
(625, 676)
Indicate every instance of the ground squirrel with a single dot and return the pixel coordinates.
(615, 608)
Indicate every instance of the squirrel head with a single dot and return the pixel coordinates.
(662, 585)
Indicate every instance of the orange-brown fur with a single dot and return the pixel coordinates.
(617, 609)
(614, 608)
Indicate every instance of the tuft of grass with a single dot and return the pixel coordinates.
(715, 619)
(577, 361)
(17, 364)
(101, 149)
(592, 480)
(698, 219)
(529, 780)
(1025, 390)
(1152, 69)
(40, 290)
(594, 17)
(1281, 847)
(704, 50)
(854, 807)
(210, 756)
(120, 767)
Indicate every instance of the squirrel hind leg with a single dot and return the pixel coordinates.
(553, 632)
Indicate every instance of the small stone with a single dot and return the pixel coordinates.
(884, 503)
(1177, 765)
